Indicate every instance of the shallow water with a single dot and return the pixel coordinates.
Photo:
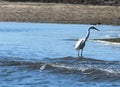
(43, 55)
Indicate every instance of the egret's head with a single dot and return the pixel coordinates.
(92, 27)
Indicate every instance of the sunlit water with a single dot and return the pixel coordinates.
(43, 55)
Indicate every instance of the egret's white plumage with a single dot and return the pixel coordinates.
(80, 44)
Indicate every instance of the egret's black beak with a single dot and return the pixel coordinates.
(97, 29)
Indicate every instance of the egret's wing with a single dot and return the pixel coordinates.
(79, 43)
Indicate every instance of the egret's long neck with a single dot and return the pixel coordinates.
(87, 36)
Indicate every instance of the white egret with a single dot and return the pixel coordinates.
(81, 42)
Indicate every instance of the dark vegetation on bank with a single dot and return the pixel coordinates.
(110, 40)
(84, 2)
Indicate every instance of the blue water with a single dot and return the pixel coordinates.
(43, 55)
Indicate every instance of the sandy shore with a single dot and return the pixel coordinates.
(59, 13)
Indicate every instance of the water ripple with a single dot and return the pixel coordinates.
(92, 68)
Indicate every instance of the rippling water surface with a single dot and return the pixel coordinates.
(43, 55)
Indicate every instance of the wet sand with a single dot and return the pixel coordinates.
(59, 13)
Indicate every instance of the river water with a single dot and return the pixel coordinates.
(43, 55)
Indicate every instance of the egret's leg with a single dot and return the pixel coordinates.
(78, 53)
(81, 52)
